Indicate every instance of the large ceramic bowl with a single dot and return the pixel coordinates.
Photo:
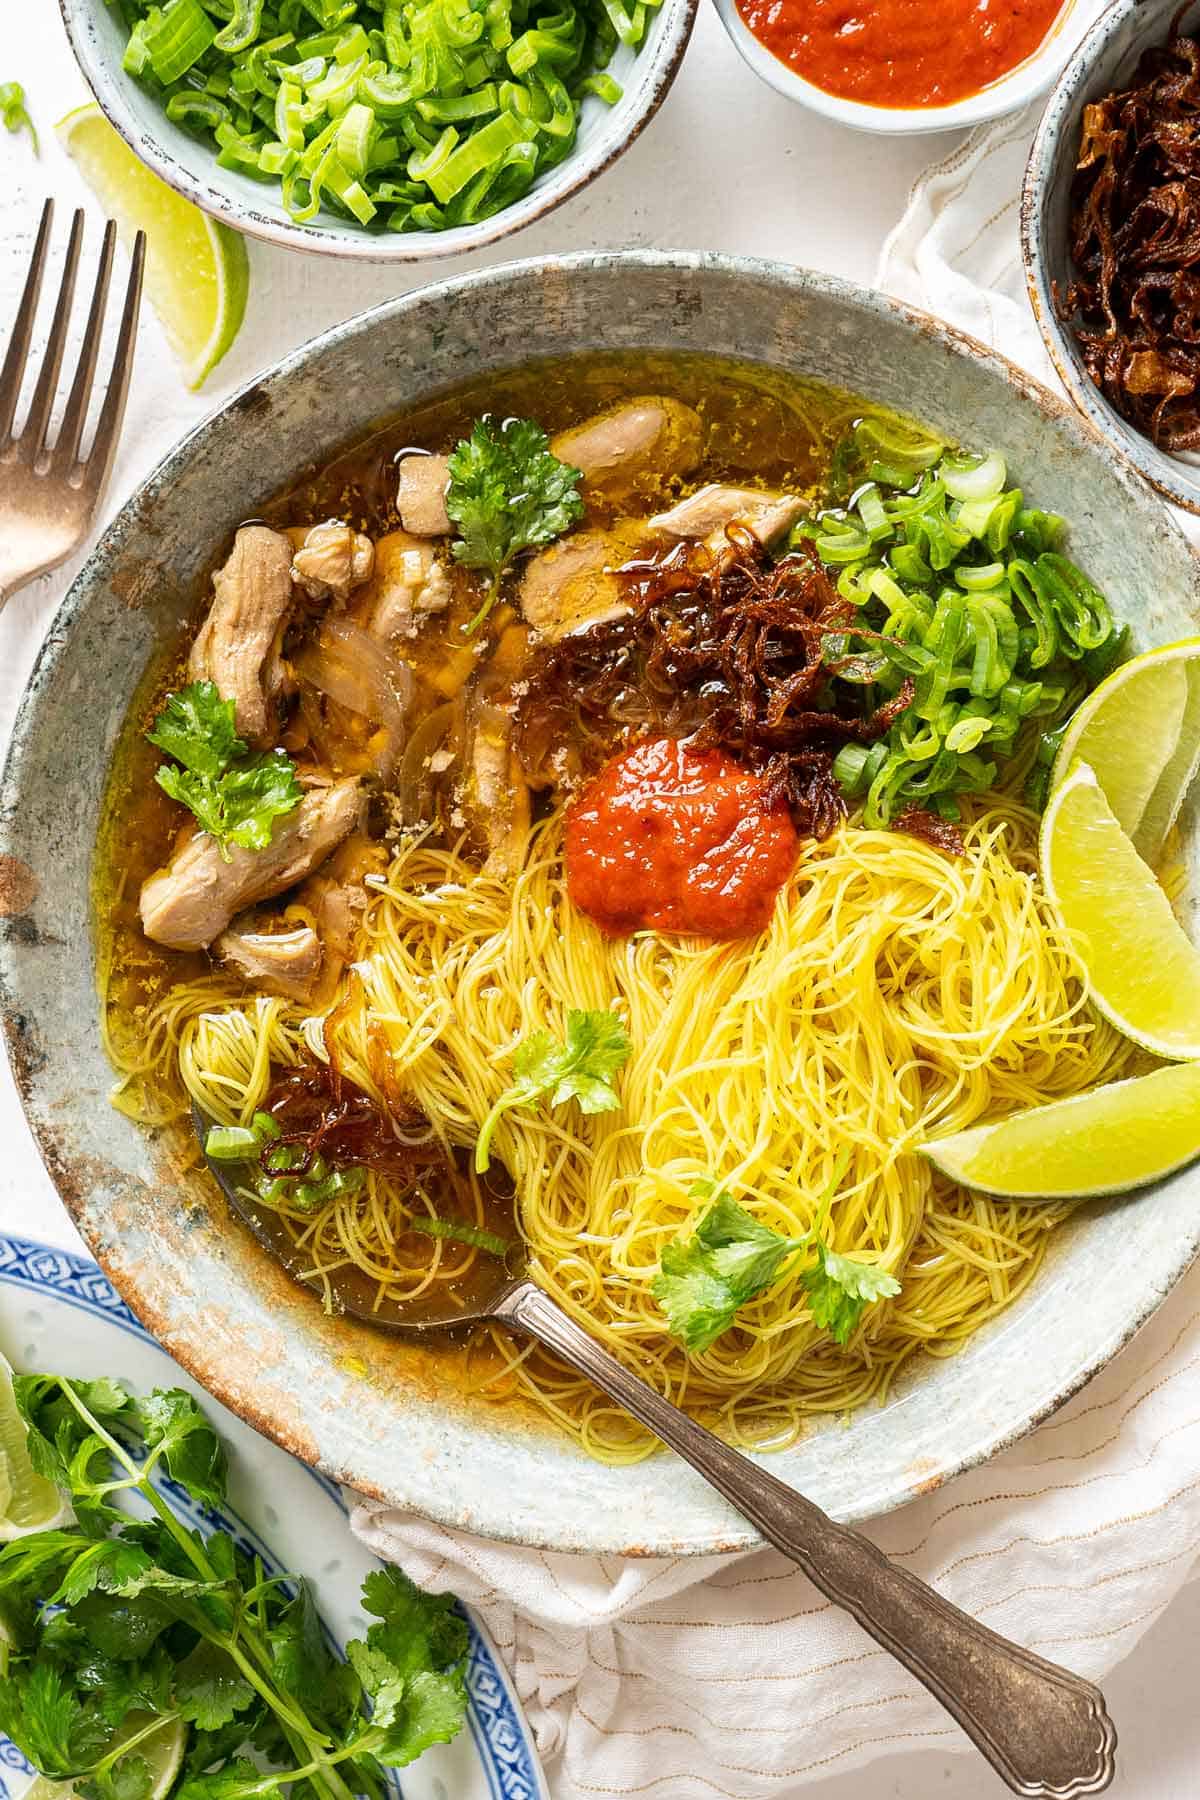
(1105, 59)
(190, 166)
(382, 1415)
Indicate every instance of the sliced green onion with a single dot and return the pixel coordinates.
(176, 37)
(459, 1233)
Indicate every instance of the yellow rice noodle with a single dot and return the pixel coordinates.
(898, 993)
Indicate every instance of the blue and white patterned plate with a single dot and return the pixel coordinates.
(58, 1313)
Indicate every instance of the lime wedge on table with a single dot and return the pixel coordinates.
(162, 1751)
(1143, 973)
(197, 271)
(1140, 732)
(1103, 1142)
(28, 1502)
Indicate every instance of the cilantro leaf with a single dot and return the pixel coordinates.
(44, 1717)
(129, 1778)
(238, 1780)
(235, 794)
(415, 1630)
(209, 1691)
(840, 1288)
(432, 1712)
(175, 1429)
(731, 1258)
(507, 492)
(580, 1068)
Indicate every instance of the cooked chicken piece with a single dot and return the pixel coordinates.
(421, 495)
(571, 585)
(285, 962)
(336, 899)
(238, 644)
(497, 792)
(706, 513)
(333, 560)
(633, 445)
(191, 901)
(409, 583)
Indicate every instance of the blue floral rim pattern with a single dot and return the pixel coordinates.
(495, 1724)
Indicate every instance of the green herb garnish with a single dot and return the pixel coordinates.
(235, 793)
(581, 1068)
(15, 113)
(730, 1259)
(507, 493)
(457, 1231)
(306, 1191)
(117, 1615)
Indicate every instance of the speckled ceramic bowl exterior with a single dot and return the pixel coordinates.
(384, 1415)
(255, 207)
(1106, 57)
(1007, 94)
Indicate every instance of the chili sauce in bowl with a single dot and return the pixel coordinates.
(906, 65)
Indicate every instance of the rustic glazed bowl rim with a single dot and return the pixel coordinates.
(71, 1172)
(1049, 146)
(646, 86)
(1008, 93)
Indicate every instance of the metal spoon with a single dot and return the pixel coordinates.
(1045, 1731)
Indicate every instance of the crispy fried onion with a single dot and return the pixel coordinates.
(1134, 300)
(726, 650)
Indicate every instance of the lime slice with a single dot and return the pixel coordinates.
(197, 271)
(162, 1750)
(1104, 1142)
(1162, 808)
(28, 1502)
(1143, 973)
(1132, 729)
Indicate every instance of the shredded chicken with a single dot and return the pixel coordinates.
(634, 445)
(191, 901)
(711, 510)
(421, 495)
(572, 585)
(238, 646)
(497, 793)
(285, 962)
(409, 583)
(333, 561)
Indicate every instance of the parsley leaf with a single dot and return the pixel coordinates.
(507, 493)
(840, 1288)
(235, 794)
(580, 1068)
(731, 1258)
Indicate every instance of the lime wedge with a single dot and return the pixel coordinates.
(1162, 808)
(1133, 729)
(28, 1502)
(1143, 973)
(1103, 1142)
(162, 1751)
(197, 271)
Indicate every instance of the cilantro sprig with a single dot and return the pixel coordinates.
(507, 492)
(118, 1615)
(581, 1068)
(731, 1258)
(235, 793)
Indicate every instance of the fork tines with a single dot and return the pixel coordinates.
(31, 445)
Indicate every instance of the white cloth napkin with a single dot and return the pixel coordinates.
(689, 1679)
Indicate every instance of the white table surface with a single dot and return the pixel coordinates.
(772, 181)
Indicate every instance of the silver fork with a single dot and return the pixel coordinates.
(48, 492)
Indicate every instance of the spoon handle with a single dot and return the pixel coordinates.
(1044, 1730)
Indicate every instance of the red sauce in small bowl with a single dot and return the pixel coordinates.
(678, 839)
(901, 53)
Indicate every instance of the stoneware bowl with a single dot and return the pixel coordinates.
(1106, 57)
(1008, 94)
(370, 1410)
(190, 166)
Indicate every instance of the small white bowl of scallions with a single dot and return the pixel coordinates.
(380, 130)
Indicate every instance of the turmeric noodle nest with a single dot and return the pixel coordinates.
(897, 993)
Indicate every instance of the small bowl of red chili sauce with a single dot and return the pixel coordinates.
(907, 65)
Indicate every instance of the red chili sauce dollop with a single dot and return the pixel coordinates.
(678, 839)
(901, 52)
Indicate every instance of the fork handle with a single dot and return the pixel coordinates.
(1045, 1731)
